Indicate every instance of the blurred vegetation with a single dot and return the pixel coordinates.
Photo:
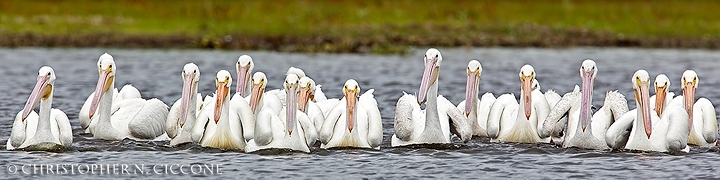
(358, 26)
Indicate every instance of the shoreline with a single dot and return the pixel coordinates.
(375, 44)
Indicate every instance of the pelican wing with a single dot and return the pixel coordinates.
(704, 109)
(316, 115)
(459, 124)
(617, 103)
(542, 109)
(677, 132)
(308, 127)
(263, 127)
(240, 109)
(21, 130)
(483, 110)
(149, 122)
(203, 119)
(375, 133)
(618, 133)
(327, 130)
(555, 123)
(498, 112)
(552, 97)
(171, 124)
(273, 102)
(405, 114)
(63, 123)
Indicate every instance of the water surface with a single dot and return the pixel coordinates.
(156, 73)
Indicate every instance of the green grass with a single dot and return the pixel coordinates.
(362, 19)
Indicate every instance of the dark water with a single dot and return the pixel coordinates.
(156, 73)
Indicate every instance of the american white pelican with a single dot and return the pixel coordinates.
(440, 117)
(703, 122)
(307, 106)
(584, 129)
(291, 130)
(125, 116)
(244, 68)
(476, 109)
(218, 128)
(258, 100)
(47, 130)
(184, 111)
(353, 122)
(662, 92)
(280, 93)
(650, 132)
(509, 121)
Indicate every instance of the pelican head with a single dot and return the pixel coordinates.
(432, 59)
(588, 71)
(641, 83)
(662, 86)
(43, 90)
(258, 89)
(527, 75)
(307, 92)
(351, 90)
(106, 80)
(222, 83)
(690, 84)
(243, 67)
(297, 71)
(474, 70)
(291, 93)
(191, 77)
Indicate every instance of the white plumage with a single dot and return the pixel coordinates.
(434, 124)
(48, 130)
(650, 132)
(289, 130)
(126, 115)
(219, 123)
(510, 121)
(353, 123)
(475, 109)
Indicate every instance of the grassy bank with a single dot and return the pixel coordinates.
(358, 26)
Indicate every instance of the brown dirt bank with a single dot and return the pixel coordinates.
(385, 40)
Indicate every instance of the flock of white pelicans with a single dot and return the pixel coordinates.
(299, 115)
